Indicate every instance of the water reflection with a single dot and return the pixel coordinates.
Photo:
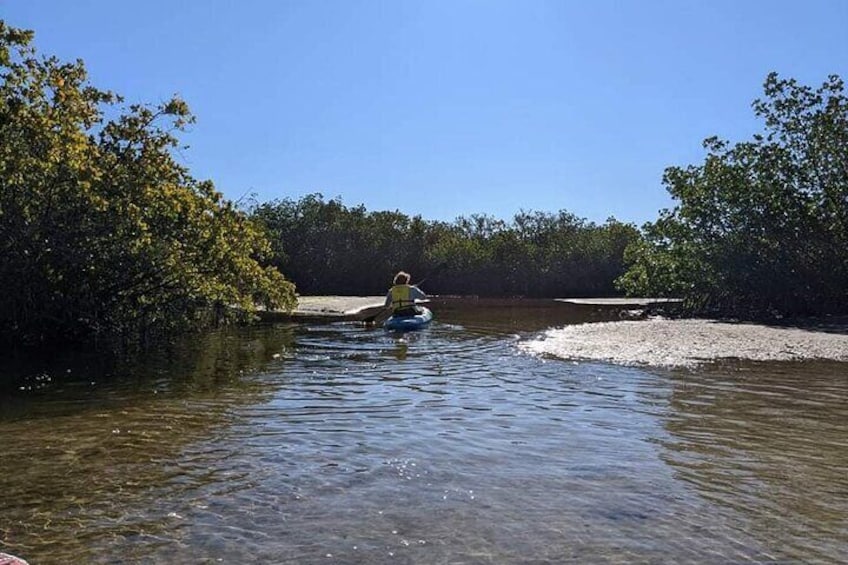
(98, 447)
(343, 444)
(400, 350)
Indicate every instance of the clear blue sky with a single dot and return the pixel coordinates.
(449, 107)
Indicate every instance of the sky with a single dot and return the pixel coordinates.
(444, 108)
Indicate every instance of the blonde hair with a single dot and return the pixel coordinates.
(402, 278)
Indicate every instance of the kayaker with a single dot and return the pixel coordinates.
(402, 296)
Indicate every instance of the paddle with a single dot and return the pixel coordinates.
(378, 318)
(435, 270)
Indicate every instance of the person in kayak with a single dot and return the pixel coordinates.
(402, 296)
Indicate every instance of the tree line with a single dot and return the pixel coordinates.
(104, 234)
(329, 248)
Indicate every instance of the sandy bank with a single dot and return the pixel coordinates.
(328, 309)
(675, 343)
(333, 305)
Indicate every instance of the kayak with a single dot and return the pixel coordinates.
(407, 323)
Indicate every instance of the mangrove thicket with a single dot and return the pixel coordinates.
(761, 226)
(329, 248)
(102, 232)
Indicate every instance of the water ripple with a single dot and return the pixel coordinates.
(339, 443)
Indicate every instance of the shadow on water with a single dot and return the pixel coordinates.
(95, 439)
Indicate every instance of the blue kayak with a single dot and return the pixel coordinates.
(406, 323)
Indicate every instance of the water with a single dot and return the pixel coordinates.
(342, 444)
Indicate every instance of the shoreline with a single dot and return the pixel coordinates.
(330, 308)
(627, 334)
(690, 342)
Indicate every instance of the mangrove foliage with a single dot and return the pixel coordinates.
(329, 248)
(102, 232)
(760, 227)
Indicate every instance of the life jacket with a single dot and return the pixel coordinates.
(402, 297)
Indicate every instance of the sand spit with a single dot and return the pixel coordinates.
(327, 309)
(686, 343)
(337, 305)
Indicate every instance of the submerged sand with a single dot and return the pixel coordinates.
(685, 343)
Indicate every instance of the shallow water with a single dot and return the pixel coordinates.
(342, 444)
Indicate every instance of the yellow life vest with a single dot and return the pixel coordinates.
(402, 297)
